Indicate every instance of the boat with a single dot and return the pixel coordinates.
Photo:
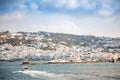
(12, 60)
(26, 63)
(25, 66)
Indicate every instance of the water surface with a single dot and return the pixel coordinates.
(85, 71)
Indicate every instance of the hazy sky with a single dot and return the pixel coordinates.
(81, 17)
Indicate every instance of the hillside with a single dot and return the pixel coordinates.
(50, 46)
(107, 44)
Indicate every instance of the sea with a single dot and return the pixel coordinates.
(41, 71)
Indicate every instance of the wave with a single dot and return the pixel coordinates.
(41, 74)
(44, 75)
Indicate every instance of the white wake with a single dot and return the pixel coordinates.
(42, 74)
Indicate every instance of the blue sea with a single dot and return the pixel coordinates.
(83, 71)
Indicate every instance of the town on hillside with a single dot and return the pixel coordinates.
(58, 47)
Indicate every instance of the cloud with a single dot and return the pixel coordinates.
(72, 3)
(99, 26)
(105, 12)
(87, 4)
(106, 8)
(64, 27)
(97, 7)
(12, 16)
(86, 17)
(79, 25)
(62, 3)
(34, 6)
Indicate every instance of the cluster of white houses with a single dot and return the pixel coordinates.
(52, 51)
(9, 52)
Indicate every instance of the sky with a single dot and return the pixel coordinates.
(79, 17)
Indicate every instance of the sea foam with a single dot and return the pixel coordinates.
(41, 74)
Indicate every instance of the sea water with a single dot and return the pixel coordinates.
(84, 71)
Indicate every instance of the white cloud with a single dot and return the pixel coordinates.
(72, 3)
(101, 7)
(64, 27)
(105, 12)
(80, 25)
(63, 3)
(87, 4)
(84, 25)
(34, 6)
(12, 16)
(107, 8)
(100, 26)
